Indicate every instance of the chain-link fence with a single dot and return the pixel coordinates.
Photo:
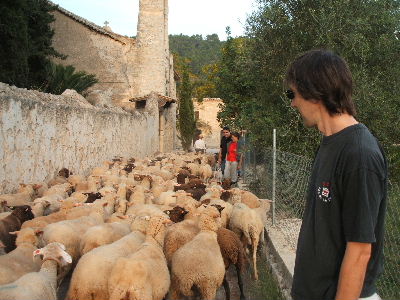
(287, 186)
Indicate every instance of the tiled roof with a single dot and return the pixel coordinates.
(212, 100)
(141, 98)
(90, 25)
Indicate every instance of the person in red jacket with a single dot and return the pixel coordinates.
(233, 158)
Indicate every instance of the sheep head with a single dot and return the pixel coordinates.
(23, 213)
(156, 228)
(210, 219)
(54, 251)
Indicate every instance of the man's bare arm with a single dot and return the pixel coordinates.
(352, 271)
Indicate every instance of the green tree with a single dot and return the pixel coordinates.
(186, 120)
(25, 36)
(235, 83)
(201, 55)
(361, 31)
(59, 78)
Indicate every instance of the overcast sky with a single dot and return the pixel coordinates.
(185, 16)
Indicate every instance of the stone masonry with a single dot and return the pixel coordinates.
(41, 133)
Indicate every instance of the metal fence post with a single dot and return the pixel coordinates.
(273, 174)
(244, 162)
(255, 164)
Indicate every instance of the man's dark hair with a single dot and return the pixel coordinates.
(226, 128)
(323, 75)
(237, 134)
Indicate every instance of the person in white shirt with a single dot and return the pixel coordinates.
(200, 145)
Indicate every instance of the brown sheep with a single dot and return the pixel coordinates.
(92, 197)
(129, 167)
(12, 223)
(226, 184)
(233, 252)
(64, 172)
(177, 214)
(226, 195)
(197, 193)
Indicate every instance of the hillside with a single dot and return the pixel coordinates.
(198, 50)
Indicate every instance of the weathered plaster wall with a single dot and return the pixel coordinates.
(168, 121)
(41, 133)
(208, 110)
(111, 60)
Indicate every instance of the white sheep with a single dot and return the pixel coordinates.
(166, 198)
(60, 189)
(246, 197)
(25, 195)
(39, 207)
(212, 192)
(19, 261)
(54, 202)
(138, 195)
(194, 168)
(90, 277)
(103, 234)
(226, 212)
(144, 274)
(199, 263)
(39, 285)
(248, 224)
(69, 233)
(205, 172)
(144, 210)
(178, 235)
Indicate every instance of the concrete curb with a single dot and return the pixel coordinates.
(281, 260)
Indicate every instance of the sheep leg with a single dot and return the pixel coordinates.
(208, 293)
(226, 288)
(254, 241)
(240, 282)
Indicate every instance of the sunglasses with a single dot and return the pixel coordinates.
(290, 94)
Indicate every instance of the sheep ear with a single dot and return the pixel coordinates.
(65, 258)
(37, 186)
(60, 245)
(38, 232)
(37, 252)
(14, 232)
(167, 222)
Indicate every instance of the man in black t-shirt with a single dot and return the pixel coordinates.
(225, 139)
(340, 246)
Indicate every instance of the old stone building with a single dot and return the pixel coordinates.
(126, 67)
(206, 115)
(129, 70)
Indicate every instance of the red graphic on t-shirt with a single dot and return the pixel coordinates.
(324, 192)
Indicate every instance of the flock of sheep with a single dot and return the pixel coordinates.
(133, 229)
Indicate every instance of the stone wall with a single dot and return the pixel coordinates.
(41, 133)
(109, 56)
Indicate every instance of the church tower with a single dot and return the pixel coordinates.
(152, 60)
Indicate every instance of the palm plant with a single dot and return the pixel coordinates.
(60, 78)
